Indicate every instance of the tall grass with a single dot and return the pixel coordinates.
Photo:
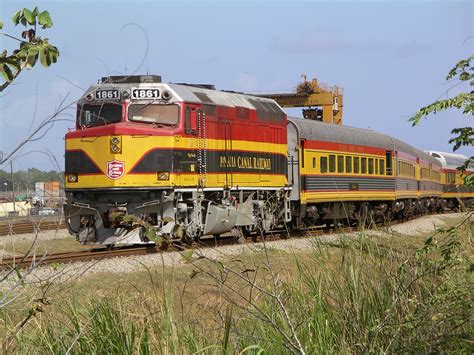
(358, 296)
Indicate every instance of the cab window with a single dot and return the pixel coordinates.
(166, 115)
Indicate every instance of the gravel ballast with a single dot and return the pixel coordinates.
(420, 226)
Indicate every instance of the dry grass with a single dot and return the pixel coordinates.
(337, 295)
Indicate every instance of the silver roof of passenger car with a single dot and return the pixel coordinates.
(449, 160)
(316, 130)
(320, 131)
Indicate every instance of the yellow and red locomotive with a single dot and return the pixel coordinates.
(191, 161)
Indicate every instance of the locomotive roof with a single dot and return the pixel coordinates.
(203, 95)
(316, 130)
(193, 94)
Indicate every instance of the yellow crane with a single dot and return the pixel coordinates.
(323, 103)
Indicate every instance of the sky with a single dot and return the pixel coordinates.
(390, 57)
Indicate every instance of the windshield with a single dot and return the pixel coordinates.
(96, 115)
(151, 113)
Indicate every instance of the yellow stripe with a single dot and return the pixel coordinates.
(134, 147)
(346, 196)
(182, 180)
(146, 143)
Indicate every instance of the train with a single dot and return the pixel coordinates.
(180, 161)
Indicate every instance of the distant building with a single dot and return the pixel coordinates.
(9, 209)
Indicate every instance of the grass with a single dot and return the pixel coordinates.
(19, 247)
(365, 295)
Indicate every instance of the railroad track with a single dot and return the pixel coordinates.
(104, 253)
(30, 227)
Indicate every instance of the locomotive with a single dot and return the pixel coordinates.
(189, 160)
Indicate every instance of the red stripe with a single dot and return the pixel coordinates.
(340, 190)
(341, 147)
(352, 175)
(246, 130)
(406, 156)
(222, 173)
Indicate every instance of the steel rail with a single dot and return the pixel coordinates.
(104, 253)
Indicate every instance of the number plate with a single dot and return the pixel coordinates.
(144, 94)
(107, 95)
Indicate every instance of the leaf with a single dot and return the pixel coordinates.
(29, 16)
(187, 255)
(44, 58)
(44, 19)
(128, 218)
(194, 274)
(150, 234)
(53, 56)
(7, 73)
(16, 18)
(13, 62)
(254, 349)
(1, 25)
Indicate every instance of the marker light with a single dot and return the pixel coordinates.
(72, 178)
(163, 176)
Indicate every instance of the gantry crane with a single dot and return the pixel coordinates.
(323, 103)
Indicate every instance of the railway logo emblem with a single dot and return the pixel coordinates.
(115, 169)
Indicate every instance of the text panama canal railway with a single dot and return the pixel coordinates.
(191, 161)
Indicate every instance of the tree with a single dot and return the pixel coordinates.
(463, 136)
(32, 47)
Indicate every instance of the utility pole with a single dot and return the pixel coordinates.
(13, 188)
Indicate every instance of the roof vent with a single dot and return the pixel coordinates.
(202, 86)
(130, 79)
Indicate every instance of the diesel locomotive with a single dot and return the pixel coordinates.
(190, 161)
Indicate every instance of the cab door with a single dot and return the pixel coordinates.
(225, 159)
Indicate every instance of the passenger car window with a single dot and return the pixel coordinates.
(363, 163)
(348, 165)
(340, 164)
(324, 164)
(371, 165)
(356, 165)
(332, 163)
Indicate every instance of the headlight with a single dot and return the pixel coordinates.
(72, 178)
(115, 145)
(163, 176)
